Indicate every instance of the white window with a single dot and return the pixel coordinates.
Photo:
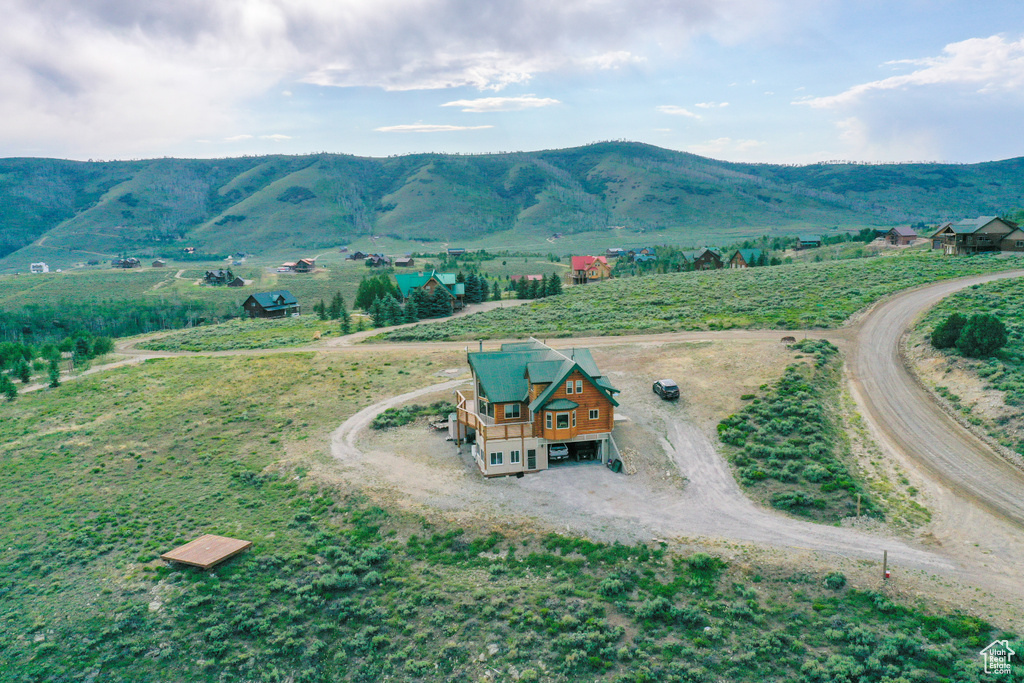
(547, 420)
(574, 418)
(511, 410)
(496, 458)
(568, 387)
(594, 413)
(562, 421)
(579, 386)
(513, 457)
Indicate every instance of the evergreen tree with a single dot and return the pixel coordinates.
(337, 305)
(54, 373)
(23, 371)
(378, 313)
(554, 285)
(542, 287)
(421, 304)
(522, 288)
(393, 310)
(485, 293)
(374, 287)
(496, 291)
(411, 311)
(948, 331)
(346, 319)
(441, 303)
(8, 388)
(472, 289)
(983, 335)
(531, 289)
(321, 310)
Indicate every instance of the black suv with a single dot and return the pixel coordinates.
(667, 389)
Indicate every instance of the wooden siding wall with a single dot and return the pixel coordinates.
(589, 399)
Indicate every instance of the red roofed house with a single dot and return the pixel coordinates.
(589, 268)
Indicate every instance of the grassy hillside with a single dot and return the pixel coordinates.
(103, 474)
(602, 194)
(800, 295)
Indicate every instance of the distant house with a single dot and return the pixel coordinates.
(377, 261)
(287, 267)
(129, 262)
(279, 304)
(808, 241)
(218, 277)
(92, 262)
(642, 255)
(159, 264)
(405, 262)
(39, 268)
(978, 235)
(937, 236)
(343, 250)
(189, 250)
(901, 235)
(429, 282)
(237, 282)
(704, 259)
(644, 258)
(305, 265)
(590, 269)
(456, 251)
(356, 256)
(614, 252)
(746, 258)
(528, 278)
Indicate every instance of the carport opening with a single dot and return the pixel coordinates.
(580, 453)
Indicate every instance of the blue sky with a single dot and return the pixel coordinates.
(777, 81)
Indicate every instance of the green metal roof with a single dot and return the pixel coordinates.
(407, 282)
(809, 238)
(749, 255)
(561, 404)
(272, 301)
(972, 225)
(505, 375)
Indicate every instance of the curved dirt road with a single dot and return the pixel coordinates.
(909, 421)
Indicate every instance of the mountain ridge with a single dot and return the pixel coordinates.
(256, 204)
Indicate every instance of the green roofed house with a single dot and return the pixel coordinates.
(747, 258)
(428, 282)
(808, 241)
(531, 404)
(976, 235)
(279, 304)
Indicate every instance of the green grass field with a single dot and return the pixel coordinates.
(104, 473)
(796, 296)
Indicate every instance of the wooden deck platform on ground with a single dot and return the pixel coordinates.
(206, 551)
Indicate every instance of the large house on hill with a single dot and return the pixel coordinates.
(279, 304)
(429, 282)
(704, 259)
(531, 404)
(747, 258)
(978, 235)
(589, 269)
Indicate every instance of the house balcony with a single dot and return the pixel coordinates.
(485, 426)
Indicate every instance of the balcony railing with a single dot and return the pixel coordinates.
(484, 425)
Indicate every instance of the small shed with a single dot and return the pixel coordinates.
(406, 262)
(206, 551)
(237, 282)
(159, 263)
(808, 241)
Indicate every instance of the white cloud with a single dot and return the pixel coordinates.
(980, 65)
(276, 137)
(711, 105)
(426, 128)
(238, 138)
(675, 110)
(491, 104)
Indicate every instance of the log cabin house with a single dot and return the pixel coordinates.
(808, 241)
(305, 265)
(747, 258)
(429, 282)
(704, 259)
(278, 304)
(528, 397)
